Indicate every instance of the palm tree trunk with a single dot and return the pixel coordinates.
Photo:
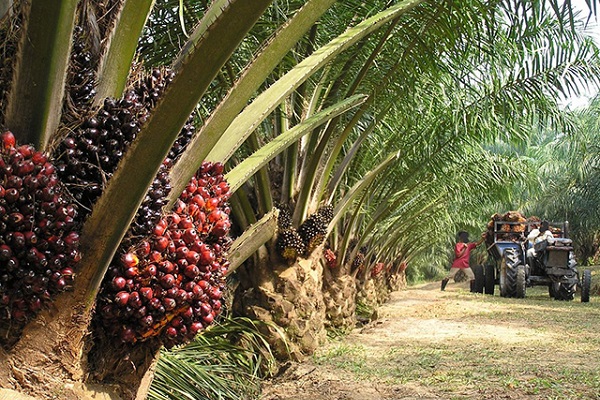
(288, 296)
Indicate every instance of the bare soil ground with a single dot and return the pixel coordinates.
(428, 344)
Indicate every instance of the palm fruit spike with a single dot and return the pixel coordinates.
(81, 78)
(289, 244)
(326, 212)
(285, 218)
(89, 155)
(313, 231)
(358, 261)
(352, 244)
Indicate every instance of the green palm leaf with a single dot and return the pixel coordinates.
(33, 110)
(116, 62)
(243, 171)
(253, 76)
(214, 366)
(265, 103)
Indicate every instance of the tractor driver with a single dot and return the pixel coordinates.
(536, 236)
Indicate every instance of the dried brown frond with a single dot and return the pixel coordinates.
(10, 33)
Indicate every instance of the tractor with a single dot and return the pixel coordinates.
(554, 264)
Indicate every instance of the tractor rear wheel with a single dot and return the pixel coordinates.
(490, 279)
(553, 289)
(586, 284)
(479, 279)
(509, 274)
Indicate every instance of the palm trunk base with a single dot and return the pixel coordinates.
(47, 363)
(366, 294)
(291, 299)
(339, 294)
(397, 282)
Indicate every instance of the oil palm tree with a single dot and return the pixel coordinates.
(246, 94)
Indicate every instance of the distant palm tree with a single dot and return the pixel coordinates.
(568, 180)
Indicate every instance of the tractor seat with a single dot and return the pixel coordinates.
(553, 243)
(560, 242)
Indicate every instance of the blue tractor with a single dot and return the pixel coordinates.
(553, 265)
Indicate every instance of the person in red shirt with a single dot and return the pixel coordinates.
(462, 253)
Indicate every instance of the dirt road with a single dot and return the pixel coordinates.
(428, 344)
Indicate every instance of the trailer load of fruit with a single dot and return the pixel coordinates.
(551, 262)
(510, 226)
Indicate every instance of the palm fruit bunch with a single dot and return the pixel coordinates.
(313, 230)
(511, 231)
(183, 139)
(150, 210)
(169, 285)
(81, 80)
(351, 246)
(330, 258)
(326, 212)
(38, 233)
(402, 267)
(289, 244)
(377, 269)
(518, 220)
(88, 156)
(284, 220)
(359, 260)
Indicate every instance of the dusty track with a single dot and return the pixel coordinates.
(428, 344)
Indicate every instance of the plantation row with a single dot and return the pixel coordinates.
(167, 163)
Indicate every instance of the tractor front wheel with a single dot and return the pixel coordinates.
(553, 289)
(565, 292)
(586, 284)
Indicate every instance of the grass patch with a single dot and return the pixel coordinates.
(536, 348)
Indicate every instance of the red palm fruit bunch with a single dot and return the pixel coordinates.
(38, 236)
(403, 266)
(377, 269)
(170, 285)
(331, 258)
(151, 208)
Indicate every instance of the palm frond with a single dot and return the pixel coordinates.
(225, 362)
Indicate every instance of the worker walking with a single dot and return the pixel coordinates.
(462, 253)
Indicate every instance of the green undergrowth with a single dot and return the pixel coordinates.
(225, 362)
(363, 310)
